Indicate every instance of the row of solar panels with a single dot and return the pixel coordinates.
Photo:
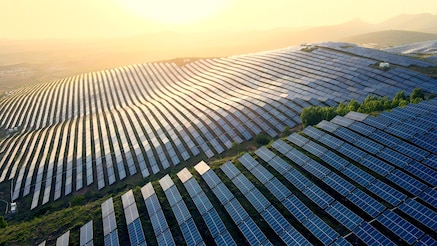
(376, 54)
(313, 178)
(162, 127)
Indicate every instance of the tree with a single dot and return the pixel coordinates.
(417, 93)
(262, 139)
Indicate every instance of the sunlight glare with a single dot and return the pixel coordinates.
(175, 12)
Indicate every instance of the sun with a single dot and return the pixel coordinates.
(175, 12)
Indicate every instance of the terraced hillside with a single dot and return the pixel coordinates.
(358, 179)
(95, 129)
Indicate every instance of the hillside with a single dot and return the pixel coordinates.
(48, 60)
(385, 39)
(80, 139)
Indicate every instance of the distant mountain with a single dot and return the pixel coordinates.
(418, 22)
(384, 39)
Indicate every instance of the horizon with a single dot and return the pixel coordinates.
(48, 19)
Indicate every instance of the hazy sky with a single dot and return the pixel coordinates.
(37, 19)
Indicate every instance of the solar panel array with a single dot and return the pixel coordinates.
(301, 191)
(102, 127)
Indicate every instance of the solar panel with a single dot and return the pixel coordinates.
(386, 192)
(420, 213)
(429, 196)
(277, 189)
(321, 230)
(402, 228)
(297, 179)
(64, 239)
(279, 165)
(426, 240)
(407, 182)
(248, 161)
(86, 234)
(423, 172)
(358, 175)
(344, 215)
(334, 160)
(297, 208)
(370, 236)
(265, 154)
(376, 165)
(339, 184)
(318, 196)
(297, 139)
(369, 205)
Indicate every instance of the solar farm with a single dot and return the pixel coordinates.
(356, 179)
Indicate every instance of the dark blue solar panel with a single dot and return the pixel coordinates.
(339, 184)
(358, 175)
(331, 141)
(135, 231)
(225, 239)
(376, 165)
(352, 152)
(387, 193)
(366, 203)
(394, 157)
(297, 139)
(248, 161)
(427, 240)
(111, 239)
(423, 172)
(430, 197)
(347, 134)
(252, 233)
(230, 170)
(298, 157)
(261, 174)
(344, 215)
(314, 133)
(411, 151)
(279, 165)
(368, 145)
(384, 138)
(402, 228)
(297, 179)
(407, 182)
(243, 184)
(370, 236)
(297, 208)
(321, 230)
(420, 213)
(281, 146)
(431, 161)
(341, 242)
(279, 224)
(214, 223)
(277, 189)
(265, 154)
(318, 196)
(362, 128)
(190, 232)
(334, 160)
(314, 148)
(316, 169)
(222, 193)
(211, 178)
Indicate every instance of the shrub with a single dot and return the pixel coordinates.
(262, 139)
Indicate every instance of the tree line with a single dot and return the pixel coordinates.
(372, 104)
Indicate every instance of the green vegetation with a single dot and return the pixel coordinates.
(262, 139)
(3, 223)
(371, 105)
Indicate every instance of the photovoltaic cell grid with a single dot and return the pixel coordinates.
(207, 211)
(241, 218)
(270, 214)
(183, 216)
(157, 218)
(161, 127)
